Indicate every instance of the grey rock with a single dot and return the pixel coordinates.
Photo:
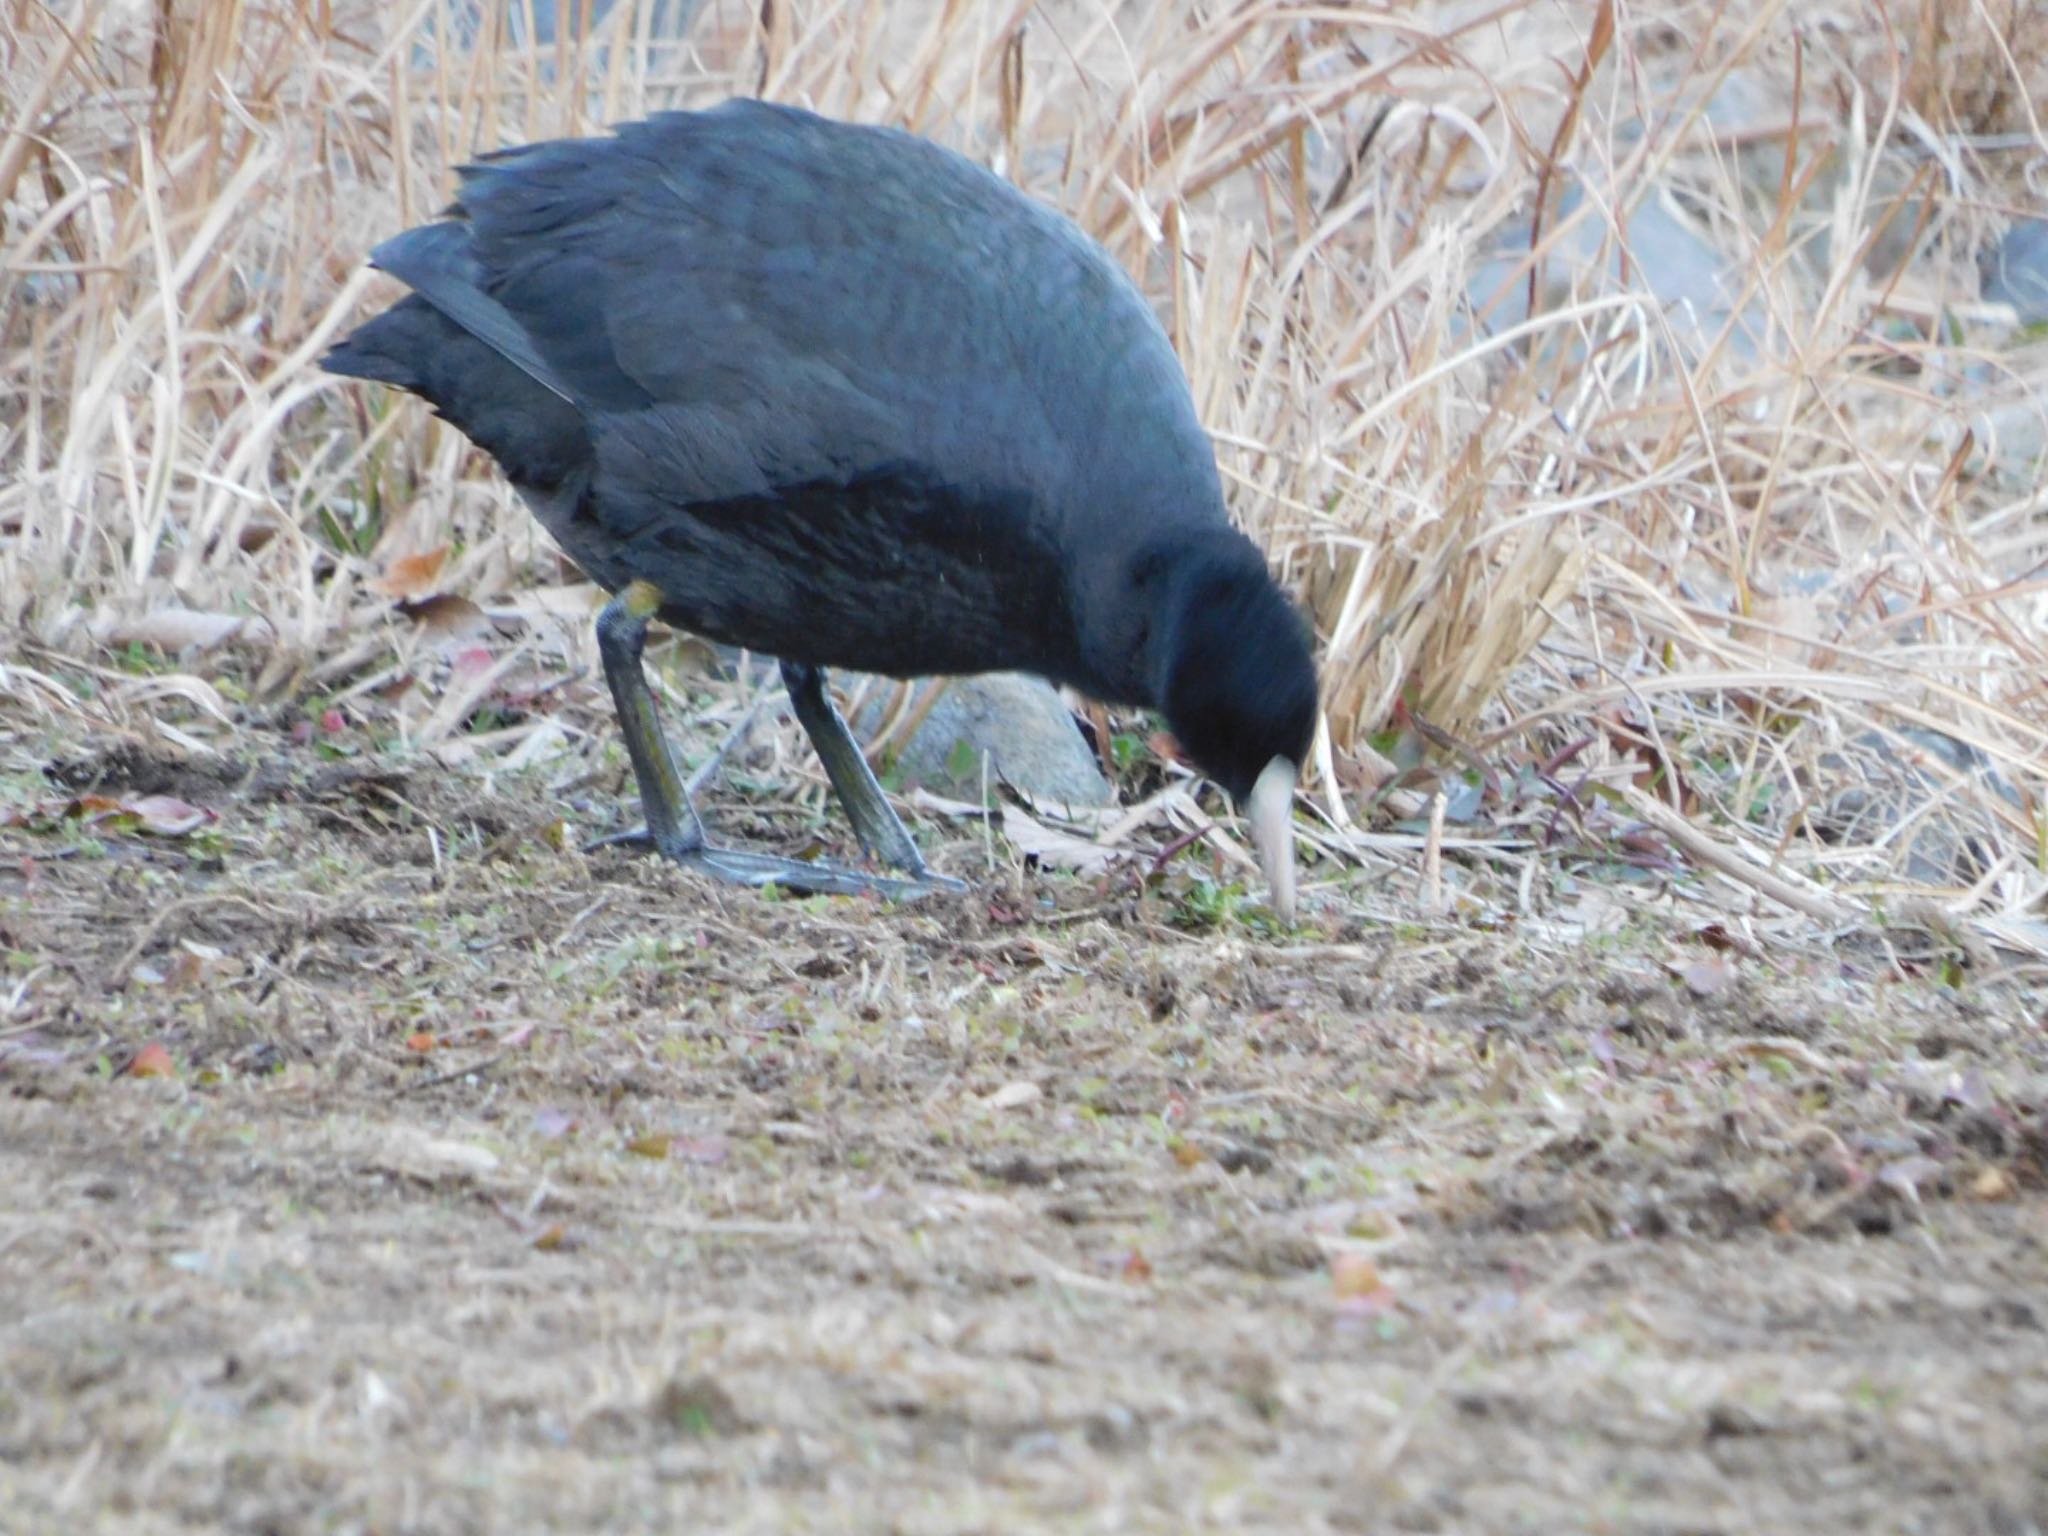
(1898, 218)
(1663, 250)
(1020, 721)
(2008, 421)
(1908, 800)
(2012, 441)
(1660, 254)
(2015, 271)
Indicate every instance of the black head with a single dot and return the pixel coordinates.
(1239, 678)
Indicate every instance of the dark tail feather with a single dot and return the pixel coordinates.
(538, 439)
(385, 350)
(436, 262)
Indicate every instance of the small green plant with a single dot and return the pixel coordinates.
(143, 660)
(963, 763)
(1206, 903)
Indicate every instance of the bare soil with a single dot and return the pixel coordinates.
(496, 1186)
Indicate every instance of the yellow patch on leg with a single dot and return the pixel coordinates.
(642, 599)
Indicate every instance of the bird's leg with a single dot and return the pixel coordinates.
(673, 828)
(874, 822)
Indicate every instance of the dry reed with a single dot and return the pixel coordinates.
(1777, 565)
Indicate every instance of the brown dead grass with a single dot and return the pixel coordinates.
(1734, 572)
(495, 1187)
(1614, 1152)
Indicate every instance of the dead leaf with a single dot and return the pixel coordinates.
(411, 575)
(174, 630)
(421, 1041)
(1798, 1052)
(1186, 1153)
(445, 616)
(1709, 977)
(31, 1050)
(553, 1124)
(655, 1145)
(1014, 1096)
(153, 1060)
(1971, 1089)
(1907, 1174)
(186, 970)
(551, 1239)
(168, 816)
(1136, 1268)
(941, 805)
(1354, 1277)
(159, 815)
(1789, 628)
(193, 962)
(1992, 1183)
(432, 1159)
(1049, 846)
(705, 1151)
(472, 661)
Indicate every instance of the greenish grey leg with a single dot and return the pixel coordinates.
(876, 824)
(673, 826)
(674, 829)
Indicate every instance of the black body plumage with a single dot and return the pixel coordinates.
(848, 399)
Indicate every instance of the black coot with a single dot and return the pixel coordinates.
(842, 397)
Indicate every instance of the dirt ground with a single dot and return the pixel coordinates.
(372, 1162)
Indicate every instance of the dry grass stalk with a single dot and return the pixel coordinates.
(1781, 533)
